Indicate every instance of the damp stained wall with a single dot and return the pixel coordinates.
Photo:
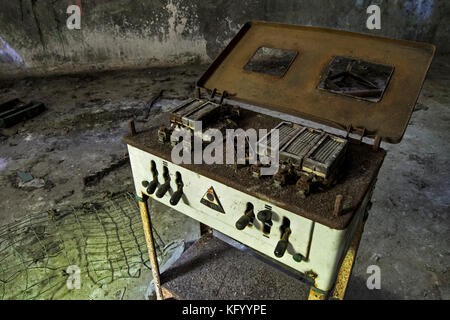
(34, 38)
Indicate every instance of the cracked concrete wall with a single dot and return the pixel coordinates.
(34, 38)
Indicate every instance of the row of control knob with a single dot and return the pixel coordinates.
(161, 189)
(247, 219)
(265, 216)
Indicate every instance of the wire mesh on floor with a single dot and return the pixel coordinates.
(105, 241)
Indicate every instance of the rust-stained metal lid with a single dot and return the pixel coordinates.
(337, 78)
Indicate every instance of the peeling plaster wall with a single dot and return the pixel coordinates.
(34, 38)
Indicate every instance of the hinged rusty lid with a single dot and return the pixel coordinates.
(337, 78)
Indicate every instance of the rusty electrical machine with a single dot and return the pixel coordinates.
(333, 97)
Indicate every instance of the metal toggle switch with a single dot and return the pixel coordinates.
(179, 193)
(247, 218)
(162, 190)
(151, 186)
(265, 216)
(282, 245)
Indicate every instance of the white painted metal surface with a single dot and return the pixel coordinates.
(322, 247)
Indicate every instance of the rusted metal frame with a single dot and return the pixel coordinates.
(338, 205)
(222, 98)
(361, 132)
(391, 128)
(213, 94)
(376, 143)
(358, 94)
(149, 239)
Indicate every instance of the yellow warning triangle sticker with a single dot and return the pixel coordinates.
(211, 200)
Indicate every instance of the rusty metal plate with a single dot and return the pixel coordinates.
(297, 90)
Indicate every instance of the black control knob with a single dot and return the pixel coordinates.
(179, 193)
(282, 245)
(176, 197)
(162, 190)
(243, 222)
(152, 186)
(265, 216)
(246, 219)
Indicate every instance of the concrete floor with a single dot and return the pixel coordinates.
(407, 234)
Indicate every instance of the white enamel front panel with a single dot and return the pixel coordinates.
(322, 245)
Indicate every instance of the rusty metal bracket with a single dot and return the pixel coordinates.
(361, 132)
(213, 94)
(338, 204)
(198, 93)
(376, 143)
(224, 95)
